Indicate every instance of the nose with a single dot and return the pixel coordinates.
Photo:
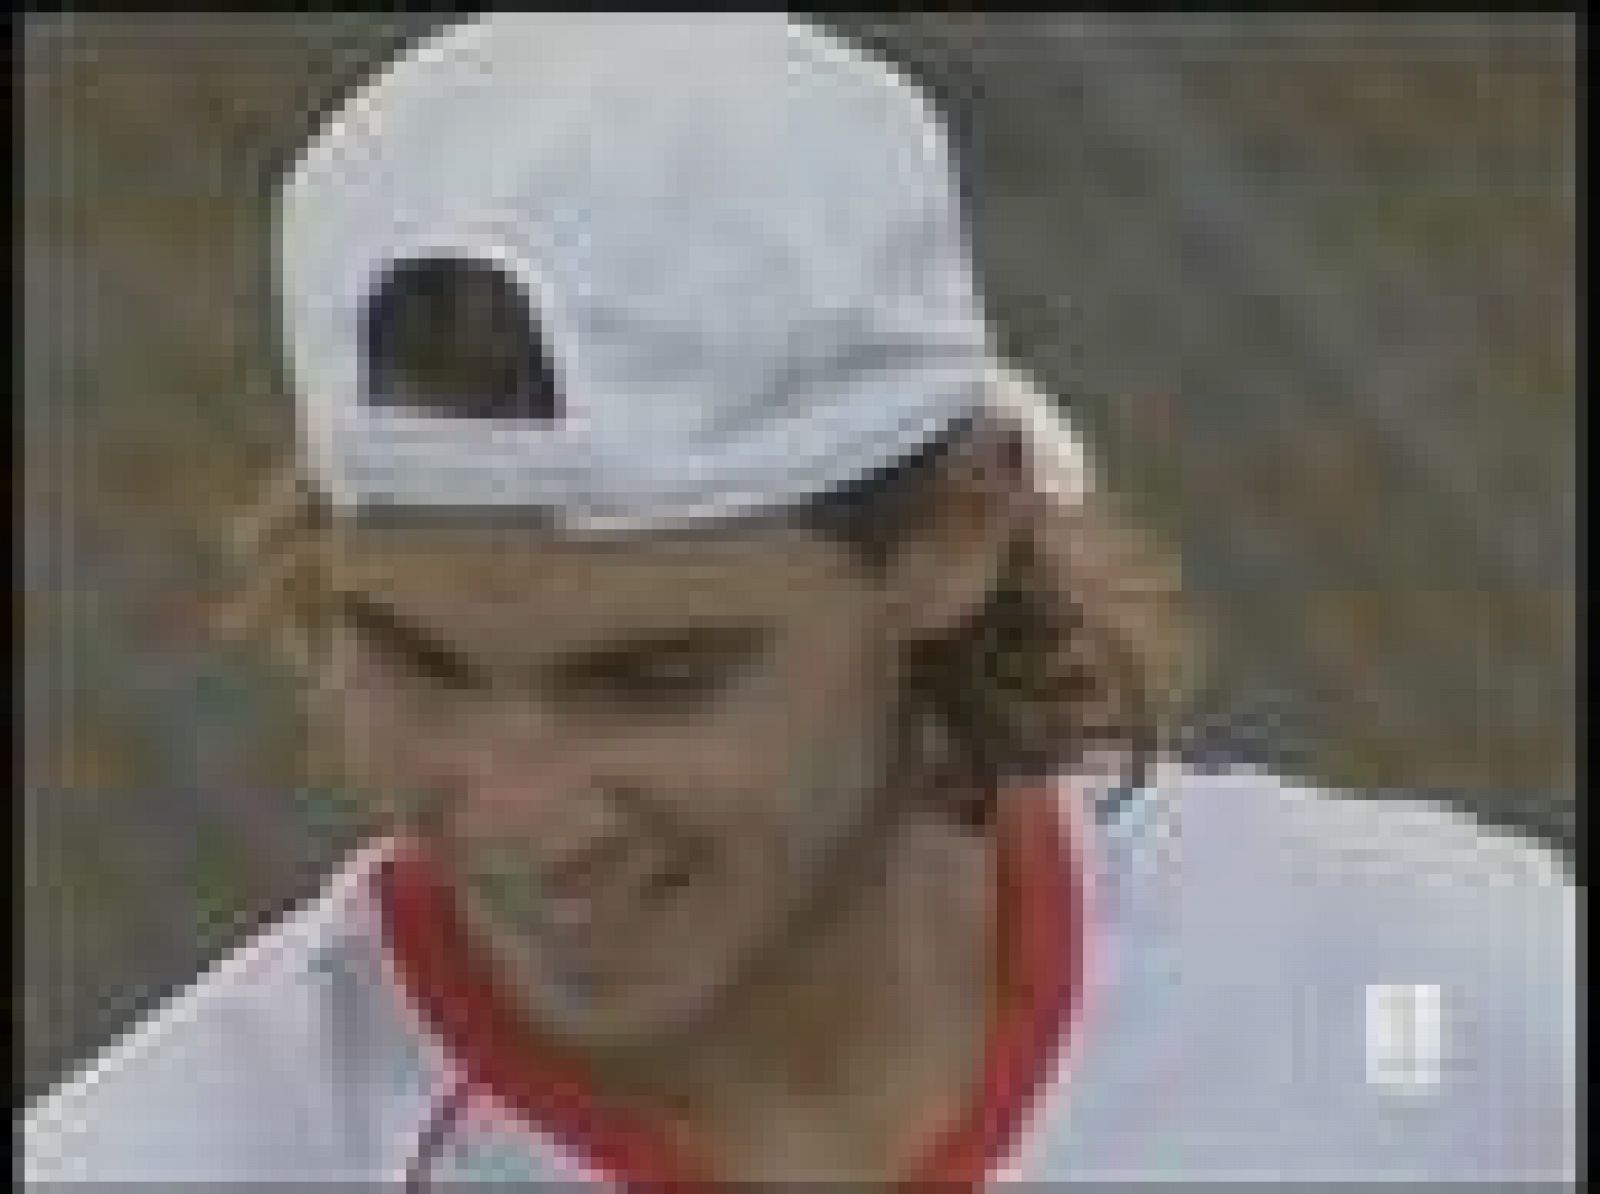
(550, 805)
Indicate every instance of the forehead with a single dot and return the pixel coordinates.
(484, 583)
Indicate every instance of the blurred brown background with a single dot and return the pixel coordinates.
(1308, 285)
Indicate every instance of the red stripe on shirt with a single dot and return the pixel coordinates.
(1038, 924)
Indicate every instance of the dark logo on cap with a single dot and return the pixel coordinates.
(457, 337)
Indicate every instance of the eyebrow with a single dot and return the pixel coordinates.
(732, 641)
(419, 645)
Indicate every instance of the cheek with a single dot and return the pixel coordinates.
(840, 768)
(813, 762)
(385, 746)
(348, 715)
(375, 756)
(791, 730)
(826, 793)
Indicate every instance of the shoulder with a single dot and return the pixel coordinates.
(1242, 994)
(213, 1083)
(1387, 888)
(1375, 836)
(1392, 872)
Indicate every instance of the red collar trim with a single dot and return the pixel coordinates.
(1039, 927)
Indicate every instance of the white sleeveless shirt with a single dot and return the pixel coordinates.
(1279, 984)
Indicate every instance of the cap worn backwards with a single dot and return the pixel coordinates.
(739, 240)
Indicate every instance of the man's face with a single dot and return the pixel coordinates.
(639, 759)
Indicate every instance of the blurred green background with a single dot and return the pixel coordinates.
(1309, 286)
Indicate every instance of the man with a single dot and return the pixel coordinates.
(762, 713)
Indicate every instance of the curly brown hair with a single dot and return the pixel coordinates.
(1079, 647)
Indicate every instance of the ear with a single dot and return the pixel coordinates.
(950, 559)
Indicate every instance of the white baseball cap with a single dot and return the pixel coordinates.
(739, 239)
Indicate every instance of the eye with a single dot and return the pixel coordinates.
(671, 677)
(677, 674)
(655, 686)
(687, 669)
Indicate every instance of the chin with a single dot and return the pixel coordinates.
(667, 986)
(626, 1015)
